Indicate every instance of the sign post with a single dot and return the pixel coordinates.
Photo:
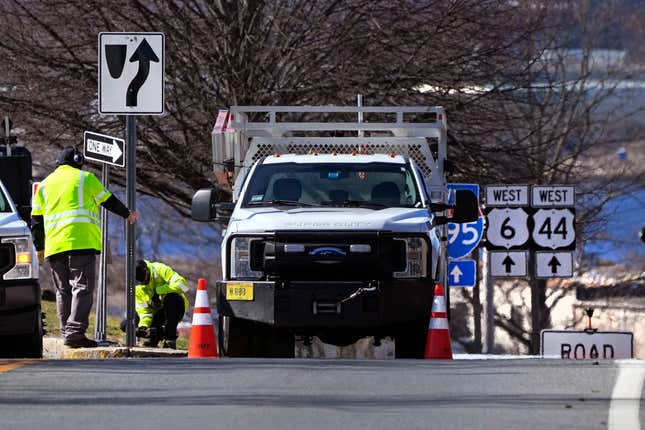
(105, 150)
(131, 82)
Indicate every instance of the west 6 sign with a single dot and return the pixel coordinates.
(464, 238)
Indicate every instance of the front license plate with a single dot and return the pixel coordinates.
(239, 291)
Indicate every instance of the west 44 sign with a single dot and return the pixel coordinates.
(464, 238)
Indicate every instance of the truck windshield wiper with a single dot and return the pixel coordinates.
(355, 203)
(278, 202)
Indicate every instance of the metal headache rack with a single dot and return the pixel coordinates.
(245, 134)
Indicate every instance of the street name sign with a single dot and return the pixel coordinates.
(510, 264)
(553, 264)
(464, 238)
(552, 196)
(507, 195)
(131, 73)
(462, 273)
(507, 228)
(587, 344)
(104, 149)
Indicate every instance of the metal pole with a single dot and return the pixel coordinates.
(131, 186)
(360, 114)
(536, 306)
(100, 332)
(490, 304)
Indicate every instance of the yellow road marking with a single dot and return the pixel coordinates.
(7, 366)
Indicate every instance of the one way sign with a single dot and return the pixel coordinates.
(104, 149)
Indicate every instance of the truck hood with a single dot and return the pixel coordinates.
(408, 220)
(12, 225)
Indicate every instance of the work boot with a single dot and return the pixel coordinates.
(81, 342)
(170, 344)
(151, 343)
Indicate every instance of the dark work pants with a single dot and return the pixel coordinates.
(167, 318)
(74, 276)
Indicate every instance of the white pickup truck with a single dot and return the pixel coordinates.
(21, 328)
(336, 229)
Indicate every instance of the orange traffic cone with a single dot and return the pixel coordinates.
(202, 333)
(438, 340)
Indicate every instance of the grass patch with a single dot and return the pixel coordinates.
(114, 333)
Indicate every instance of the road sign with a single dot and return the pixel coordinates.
(587, 344)
(553, 264)
(462, 273)
(131, 73)
(554, 229)
(553, 196)
(464, 238)
(508, 264)
(507, 228)
(104, 149)
(507, 195)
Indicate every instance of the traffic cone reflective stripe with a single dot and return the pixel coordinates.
(202, 332)
(438, 343)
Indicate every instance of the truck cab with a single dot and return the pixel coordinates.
(329, 235)
(21, 328)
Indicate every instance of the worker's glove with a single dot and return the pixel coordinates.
(145, 332)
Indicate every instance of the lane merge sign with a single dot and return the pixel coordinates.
(462, 273)
(131, 73)
(104, 149)
(587, 344)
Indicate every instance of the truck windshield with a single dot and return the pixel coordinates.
(370, 185)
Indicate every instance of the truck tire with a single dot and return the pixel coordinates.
(243, 338)
(410, 339)
(24, 346)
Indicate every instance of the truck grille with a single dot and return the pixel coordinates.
(7, 257)
(320, 256)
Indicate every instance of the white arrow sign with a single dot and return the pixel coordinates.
(508, 264)
(553, 264)
(456, 274)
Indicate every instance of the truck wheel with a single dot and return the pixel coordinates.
(410, 339)
(24, 346)
(235, 337)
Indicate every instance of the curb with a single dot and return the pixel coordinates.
(53, 348)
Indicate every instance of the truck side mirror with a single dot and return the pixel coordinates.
(202, 207)
(466, 207)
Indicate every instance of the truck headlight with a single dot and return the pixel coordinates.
(416, 258)
(241, 258)
(24, 258)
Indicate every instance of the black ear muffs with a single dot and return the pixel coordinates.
(79, 158)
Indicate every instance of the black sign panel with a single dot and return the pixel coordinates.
(104, 149)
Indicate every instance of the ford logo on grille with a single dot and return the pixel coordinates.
(327, 250)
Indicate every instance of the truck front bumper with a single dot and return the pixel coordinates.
(311, 304)
(19, 307)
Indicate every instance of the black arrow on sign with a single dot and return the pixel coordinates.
(508, 262)
(144, 55)
(554, 263)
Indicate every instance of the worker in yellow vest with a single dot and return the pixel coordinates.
(161, 303)
(67, 233)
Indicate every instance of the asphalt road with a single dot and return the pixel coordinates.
(187, 394)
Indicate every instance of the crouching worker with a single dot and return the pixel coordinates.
(161, 303)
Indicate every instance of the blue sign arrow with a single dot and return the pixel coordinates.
(462, 273)
(464, 238)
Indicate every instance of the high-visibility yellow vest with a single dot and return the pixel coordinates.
(163, 280)
(68, 199)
